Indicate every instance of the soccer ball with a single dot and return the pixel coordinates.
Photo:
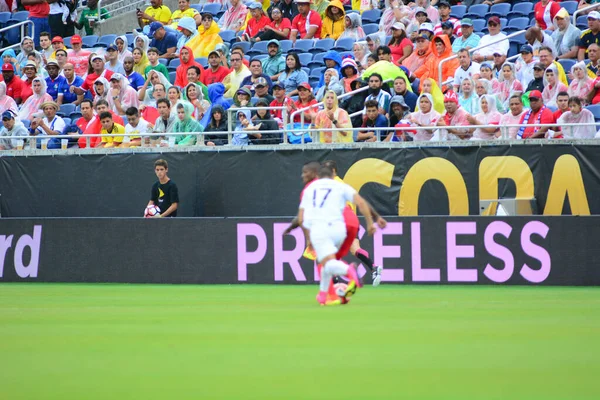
(151, 211)
(340, 290)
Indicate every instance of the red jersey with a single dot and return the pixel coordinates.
(209, 76)
(279, 113)
(254, 26)
(547, 117)
(26, 90)
(88, 84)
(79, 61)
(94, 127)
(14, 89)
(302, 23)
(39, 10)
(283, 24)
(545, 15)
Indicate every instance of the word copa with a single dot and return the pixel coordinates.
(25, 241)
(495, 261)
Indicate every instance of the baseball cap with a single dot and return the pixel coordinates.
(451, 96)
(420, 10)
(116, 77)
(535, 94)
(278, 85)
(154, 27)
(304, 1)
(443, 3)
(447, 25)
(423, 36)
(426, 26)
(31, 64)
(215, 53)
(594, 15)
(8, 67)
(260, 82)
(304, 85)
(526, 49)
(111, 47)
(399, 26)
(498, 54)
(494, 19)
(57, 39)
(97, 57)
(539, 66)
(75, 39)
(52, 62)
(253, 5)
(6, 115)
(466, 22)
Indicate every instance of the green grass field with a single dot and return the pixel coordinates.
(77, 341)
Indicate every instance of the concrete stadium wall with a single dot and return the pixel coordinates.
(423, 250)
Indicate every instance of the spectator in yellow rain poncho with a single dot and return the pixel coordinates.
(208, 37)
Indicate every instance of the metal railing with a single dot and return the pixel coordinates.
(230, 130)
(171, 143)
(471, 51)
(320, 104)
(581, 11)
(22, 25)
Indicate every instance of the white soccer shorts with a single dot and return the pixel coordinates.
(327, 238)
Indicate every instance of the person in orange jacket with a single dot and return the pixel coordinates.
(441, 48)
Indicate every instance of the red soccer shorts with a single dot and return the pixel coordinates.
(352, 227)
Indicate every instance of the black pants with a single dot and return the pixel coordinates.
(57, 27)
(268, 35)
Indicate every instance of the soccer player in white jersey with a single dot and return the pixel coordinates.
(322, 220)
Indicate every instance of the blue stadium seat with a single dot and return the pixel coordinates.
(244, 46)
(26, 123)
(212, 8)
(67, 121)
(285, 46)
(458, 11)
(479, 25)
(322, 45)
(371, 17)
(67, 109)
(305, 58)
(20, 16)
(521, 10)
(163, 61)
(130, 38)
(303, 45)
(172, 77)
(570, 6)
(89, 41)
(261, 57)
(501, 10)
(477, 11)
(306, 70)
(227, 36)
(258, 48)
(370, 28)
(197, 7)
(175, 62)
(595, 109)
(344, 44)
(317, 61)
(202, 61)
(517, 24)
(106, 40)
(313, 82)
(12, 35)
(344, 54)
(75, 115)
(317, 72)
(581, 22)
(567, 64)
(4, 17)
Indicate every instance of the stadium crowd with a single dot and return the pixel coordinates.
(182, 70)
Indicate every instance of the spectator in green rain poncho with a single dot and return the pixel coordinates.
(185, 124)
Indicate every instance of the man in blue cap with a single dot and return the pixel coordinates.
(10, 128)
(165, 42)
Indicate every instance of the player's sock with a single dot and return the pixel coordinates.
(331, 290)
(363, 256)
